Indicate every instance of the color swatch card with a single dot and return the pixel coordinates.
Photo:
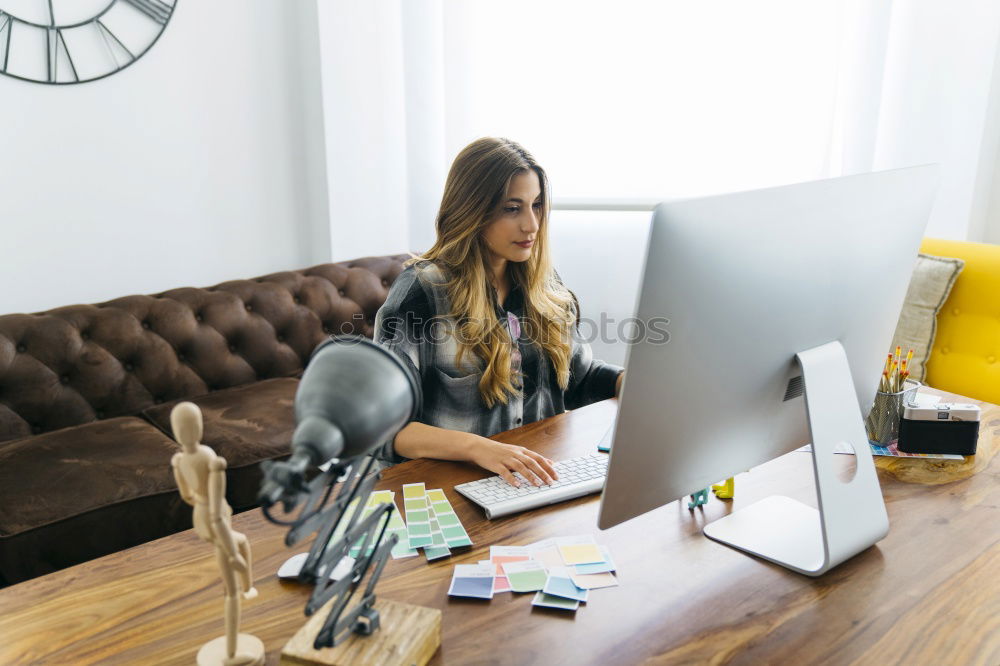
(550, 601)
(597, 567)
(542, 545)
(526, 576)
(396, 525)
(594, 581)
(549, 557)
(418, 524)
(579, 550)
(500, 555)
(432, 523)
(344, 520)
(500, 582)
(472, 580)
(560, 584)
(451, 527)
(438, 547)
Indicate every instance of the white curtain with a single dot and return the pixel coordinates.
(655, 99)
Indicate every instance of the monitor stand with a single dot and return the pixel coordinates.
(851, 515)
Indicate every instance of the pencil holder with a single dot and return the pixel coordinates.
(882, 423)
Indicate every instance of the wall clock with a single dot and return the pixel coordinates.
(62, 42)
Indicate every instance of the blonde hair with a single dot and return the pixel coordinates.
(474, 193)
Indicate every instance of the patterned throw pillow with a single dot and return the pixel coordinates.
(932, 280)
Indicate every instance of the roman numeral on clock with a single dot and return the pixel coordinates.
(157, 10)
(109, 41)
(6, 25)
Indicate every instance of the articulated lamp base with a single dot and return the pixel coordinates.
(407, 635)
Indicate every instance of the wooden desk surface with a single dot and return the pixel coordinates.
(929, 593)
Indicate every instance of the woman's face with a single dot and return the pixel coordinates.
(512, 234)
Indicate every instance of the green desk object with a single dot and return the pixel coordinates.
(699, 498)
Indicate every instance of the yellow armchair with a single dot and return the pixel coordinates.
(965, 358)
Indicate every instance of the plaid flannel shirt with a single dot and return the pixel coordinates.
(412, 324)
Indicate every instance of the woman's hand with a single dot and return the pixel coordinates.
(505, 459)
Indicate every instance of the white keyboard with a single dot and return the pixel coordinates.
(577, 477)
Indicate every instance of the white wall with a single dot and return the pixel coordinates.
(201, 162)
(600, 256)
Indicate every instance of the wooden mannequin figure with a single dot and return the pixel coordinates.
(201, 478)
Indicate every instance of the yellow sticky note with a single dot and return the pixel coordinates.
(411, 490)
(437, 495)
(581, 553)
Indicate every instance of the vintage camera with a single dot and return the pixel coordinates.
(943, 428)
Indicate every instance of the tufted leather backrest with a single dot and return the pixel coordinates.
(82, 363)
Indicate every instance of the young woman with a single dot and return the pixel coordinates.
(485, 322)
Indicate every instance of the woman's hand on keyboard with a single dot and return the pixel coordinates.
(505, 459)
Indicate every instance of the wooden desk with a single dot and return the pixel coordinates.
(929, 593)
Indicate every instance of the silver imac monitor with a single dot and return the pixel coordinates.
(781, 304)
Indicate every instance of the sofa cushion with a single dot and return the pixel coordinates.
(75, 494)
(930, 285)
(245, 425)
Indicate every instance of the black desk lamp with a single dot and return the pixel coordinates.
(353, 397)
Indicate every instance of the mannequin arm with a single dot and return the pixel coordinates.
(216, 499)
(182, 485)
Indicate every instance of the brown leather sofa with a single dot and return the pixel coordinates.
(86, 393)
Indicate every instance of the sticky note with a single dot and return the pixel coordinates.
(559, 584)
(526, 576)
(549, 601)
(597, 567)
(472, 580)
(594, 581)
(579, 550)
